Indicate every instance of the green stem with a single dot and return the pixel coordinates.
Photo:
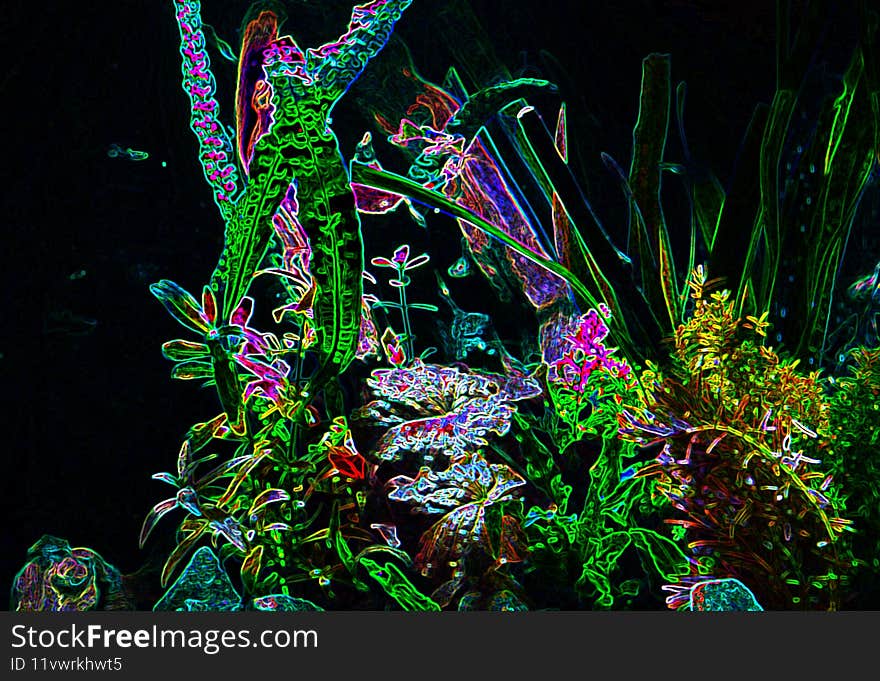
(404, 312)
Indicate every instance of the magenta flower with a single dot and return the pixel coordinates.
(400, 260)
(574, 349)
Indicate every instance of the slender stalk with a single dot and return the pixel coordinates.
(404, 312)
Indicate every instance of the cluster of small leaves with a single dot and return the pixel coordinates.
(732, 363)
(742, 434)
(854, 417)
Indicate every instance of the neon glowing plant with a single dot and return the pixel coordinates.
(433, 409)
(575, 353)
(854, 423)
(298, 213)
(584, 552)
(742, 432)
(210, 360)
(401, 263)
(463, 494)
(285, 98)
(466, 331)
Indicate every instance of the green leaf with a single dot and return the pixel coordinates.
(250, 569)
(181, 350)
(181, 305)
(667, 558)
(192, 370)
